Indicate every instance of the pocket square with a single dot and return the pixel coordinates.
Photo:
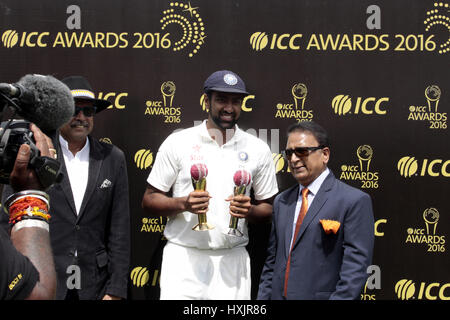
(106, 183)
(330, 226)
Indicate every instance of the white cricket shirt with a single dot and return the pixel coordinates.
(171, 170)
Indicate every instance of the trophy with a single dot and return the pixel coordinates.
(433, 94)
(364, 154)
(199, 172)
(168, 91)
(431, 217)
(299, 91)
(241, 180)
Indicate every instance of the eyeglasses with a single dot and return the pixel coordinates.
(88, 111)
(300, 151)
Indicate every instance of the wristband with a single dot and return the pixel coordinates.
(29, 223)
(26, 205)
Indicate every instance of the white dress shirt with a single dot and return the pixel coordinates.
(78, 170)
(313, 188)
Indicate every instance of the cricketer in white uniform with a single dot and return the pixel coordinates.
(210, 264)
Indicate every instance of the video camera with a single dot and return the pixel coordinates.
(35, 98)
(14, 133)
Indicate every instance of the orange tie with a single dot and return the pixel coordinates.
(301, 215)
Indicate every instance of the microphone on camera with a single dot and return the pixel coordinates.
(43, 100)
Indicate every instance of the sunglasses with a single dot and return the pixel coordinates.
(88, 111)
(300, 151)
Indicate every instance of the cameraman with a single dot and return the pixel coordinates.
(27, 269)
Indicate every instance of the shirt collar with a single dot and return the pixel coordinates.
(316, 184)
(203, 130)
(65, 145)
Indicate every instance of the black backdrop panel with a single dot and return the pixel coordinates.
(375, 77)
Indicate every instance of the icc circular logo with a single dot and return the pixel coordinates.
(341, 104)
(278, 161)
(139, 276)
(407, 166)
(10, 38)
(143, 158)
(405, 289)
(259, 40)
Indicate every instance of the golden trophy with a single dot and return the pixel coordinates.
(299, 91)
(241, 180)
(168, 91)
(364, 154)
(431, 217)
(199, 172)
(433, 94)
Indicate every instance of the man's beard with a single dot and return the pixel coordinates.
(224, 124)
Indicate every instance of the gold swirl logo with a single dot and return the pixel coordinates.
(191, 24)
(438, 18)
(405, 289)
(10, 38)
(407, 166)
(341, 104)
(139, 276)
(143, 158)
(259, 40)
(278, 161)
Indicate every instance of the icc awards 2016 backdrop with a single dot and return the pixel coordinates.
(374, 74)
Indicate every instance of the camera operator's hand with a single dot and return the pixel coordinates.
(22, 177)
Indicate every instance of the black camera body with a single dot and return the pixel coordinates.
(13, 134)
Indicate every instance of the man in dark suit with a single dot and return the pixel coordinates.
(322, 236)
(90, 224)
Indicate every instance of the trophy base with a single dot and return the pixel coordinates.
(203, 227)
(234, 232)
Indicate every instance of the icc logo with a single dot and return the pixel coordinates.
(409, 166)
(116, 96)
(405, 290)
(342, 105)
(10, 38)
(143, 158)
(140, 276)
(259, 40)
(244, 106)
(278, 161)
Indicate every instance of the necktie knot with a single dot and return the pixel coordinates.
(304, 193)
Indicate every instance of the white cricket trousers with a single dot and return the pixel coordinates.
(196, 274)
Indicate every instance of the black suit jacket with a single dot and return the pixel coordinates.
(100, 233)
